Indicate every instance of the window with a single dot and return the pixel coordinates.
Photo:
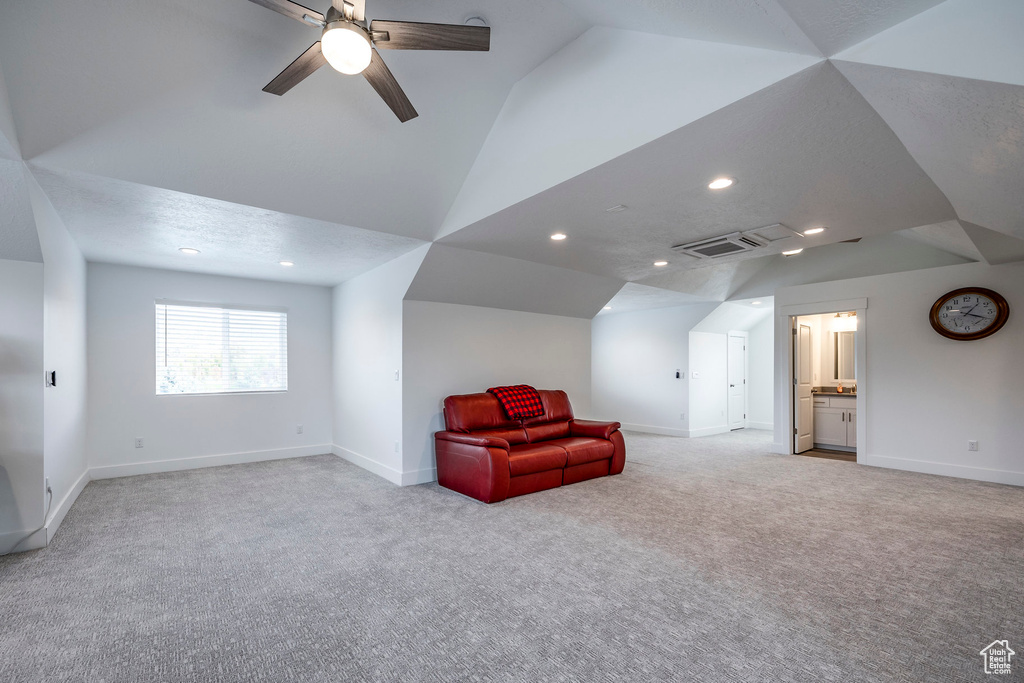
(202, 349)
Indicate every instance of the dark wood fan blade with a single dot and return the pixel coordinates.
(290, 9)
(379, 76)
(306, 63)
(408, 35)
(358, 8)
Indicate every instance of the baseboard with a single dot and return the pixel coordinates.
(708, 431)
(780, 448)
(33, 542)
(651, 429)
(57, 515)
(761, 425)
(943, 469)
(414, 477)
(156, 466)
(381, 470)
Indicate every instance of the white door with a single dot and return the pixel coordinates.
(803, 410)
(737, 382)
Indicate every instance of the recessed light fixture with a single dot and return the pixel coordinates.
(615, 209)
(792, 252)
(558, 236)
(289, 264)
(661, 263)
(815, 231)
(755, 303)
(189, 250)
(721, 183)
(607, 308)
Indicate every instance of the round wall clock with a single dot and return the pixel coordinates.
(969, 313)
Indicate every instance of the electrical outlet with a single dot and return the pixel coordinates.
(682, 416)
(972, 445)
(397, 374)
(298, 429)
(138, 443)
(396, 447)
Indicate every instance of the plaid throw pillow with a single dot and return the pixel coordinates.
(519, 401)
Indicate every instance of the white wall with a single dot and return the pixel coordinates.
(367, 314)
(21, 403)
(453, 349)
(761, 374)
(64, 351)
(922, 396)
(191, 431)
(635, 358)
(709, 392)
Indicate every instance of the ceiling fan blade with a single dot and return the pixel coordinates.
(306, 63)
(291, 9)
(409, 35)
(358, 8)
(379, 76)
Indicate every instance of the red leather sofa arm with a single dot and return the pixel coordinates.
(472, 440)
(598, 430)
(475, 466)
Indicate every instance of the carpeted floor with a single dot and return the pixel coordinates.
(706, 560)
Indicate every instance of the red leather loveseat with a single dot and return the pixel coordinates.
(485, 455)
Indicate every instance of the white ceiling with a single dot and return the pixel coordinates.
(146, 126)
(120, 222)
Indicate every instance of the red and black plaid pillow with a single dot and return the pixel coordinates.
(519, 401)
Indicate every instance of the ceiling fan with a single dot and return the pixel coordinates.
(347, 44)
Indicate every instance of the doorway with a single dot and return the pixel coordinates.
(737, 373)
(826, 365)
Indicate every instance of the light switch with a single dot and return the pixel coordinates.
(695, 375)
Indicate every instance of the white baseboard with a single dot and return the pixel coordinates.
(155, 466)
(57, 514)
(943, 469)
(708, 431)
(761, 425)
(651, 429)
(414, 477)
(381, 470)
(33, 542)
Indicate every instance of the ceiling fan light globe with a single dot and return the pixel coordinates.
(346, 47)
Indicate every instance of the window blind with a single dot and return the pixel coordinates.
(202, 349)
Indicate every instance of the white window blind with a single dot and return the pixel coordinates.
(220, 349)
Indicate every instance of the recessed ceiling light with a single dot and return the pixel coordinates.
(815, 231)
(792, 252)
(189, 250)
(617, 208)
(286, 263)
(607, 308)
(558, 236)
(661, 263)
(755, 303)
(721, 183)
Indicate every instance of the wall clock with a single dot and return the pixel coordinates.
(969, 313)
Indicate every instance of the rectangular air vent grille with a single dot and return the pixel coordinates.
(725, 245)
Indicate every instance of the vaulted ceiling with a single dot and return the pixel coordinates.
(900, 122)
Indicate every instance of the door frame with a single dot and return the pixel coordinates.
(746, 373)
(785, 395)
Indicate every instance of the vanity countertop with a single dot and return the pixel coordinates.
(830, 391)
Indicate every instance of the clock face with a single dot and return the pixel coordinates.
(970, 313)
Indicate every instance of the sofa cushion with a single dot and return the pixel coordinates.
(512, 435)
(470, 412)
(581, 449)
(547, 431)
(530, 458)
(556, 408)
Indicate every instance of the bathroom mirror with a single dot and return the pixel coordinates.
(844, 370)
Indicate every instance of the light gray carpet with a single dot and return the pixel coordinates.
(706, 560)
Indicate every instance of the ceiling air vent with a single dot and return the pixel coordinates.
(725, 245)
